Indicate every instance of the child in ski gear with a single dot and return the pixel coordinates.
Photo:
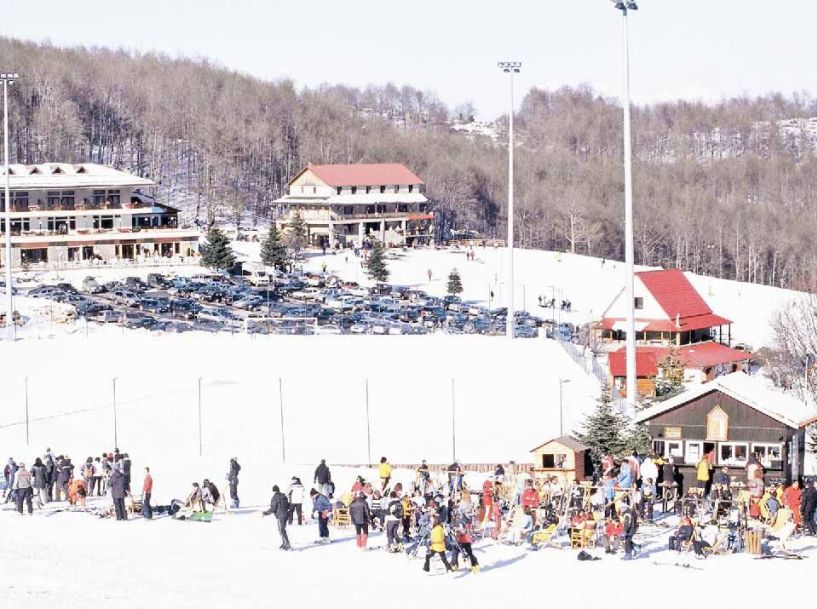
(613, 532)
(436, 546)
(279, 506)
(629, 523)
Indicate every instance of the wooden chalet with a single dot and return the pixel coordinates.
(564, 457)
(735, 415)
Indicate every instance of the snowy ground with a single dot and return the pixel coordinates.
(505, 402)
(75, 560)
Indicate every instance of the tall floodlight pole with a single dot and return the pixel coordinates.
(629, 248)
(510, 68)
(8, 79)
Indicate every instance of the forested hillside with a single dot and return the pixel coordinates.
(726, 189)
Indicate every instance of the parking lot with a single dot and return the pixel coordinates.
(310, 303)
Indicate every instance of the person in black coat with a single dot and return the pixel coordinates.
(279, 506)
(118, 486)
(323, 478)
(360, 515)
(232, 478)
(809, 502)
(629, 523)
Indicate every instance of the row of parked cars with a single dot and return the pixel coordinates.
(290, 304)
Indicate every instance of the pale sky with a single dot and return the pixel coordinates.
(679, 48)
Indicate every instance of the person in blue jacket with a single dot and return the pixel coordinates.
(323, 507)
(625, 475)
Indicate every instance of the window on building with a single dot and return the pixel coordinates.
(553, 461)
(638, 303)
(396, 189)
(694, 452)
(348, 210)
(368, 189)
(113, 197)
(658, 447)
(314, 190)
(354, 190)
(67, 199)
(769, 455)
(411, 187)
(53, 199)
(382, 189)
(423, 207)
(340, 189)
(674, 448)
(402, 207)
(733, 453)
(717, 425)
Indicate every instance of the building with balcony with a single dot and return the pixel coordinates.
(344, 205)
(65, 214)
(670, 317)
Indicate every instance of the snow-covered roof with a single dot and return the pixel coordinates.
(756, 391)
(69, 175)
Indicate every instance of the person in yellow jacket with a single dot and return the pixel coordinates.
(437, 545)
(704, 467)
(385, 473)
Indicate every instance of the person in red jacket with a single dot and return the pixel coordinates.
(530, 499)
(792, 497)
(462, 528)
(147, 491)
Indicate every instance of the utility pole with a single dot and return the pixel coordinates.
(11, 329)
(510, 68)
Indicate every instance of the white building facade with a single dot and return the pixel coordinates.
(65, 214)
(344, 205)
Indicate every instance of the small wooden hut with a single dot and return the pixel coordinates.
(564, 457)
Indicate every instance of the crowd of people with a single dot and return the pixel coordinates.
(439, 514)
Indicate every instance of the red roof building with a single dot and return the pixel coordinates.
(669, 313)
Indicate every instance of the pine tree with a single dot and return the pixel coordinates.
(297, 233)
(454, 282)
(637, 439)
(377, 262)
(216, 253)
(672, 369)
(273, 251)
(604, 429)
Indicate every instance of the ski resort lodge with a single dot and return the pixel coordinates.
(343, 205)
(67, 214)
(730, 419)
(670, 317)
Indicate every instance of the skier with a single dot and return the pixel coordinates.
(22, 488)
(65, 471)
(8, 475)
(809, 507)
(279, 506)
(232, 478)
(321, 505)
(296, 500)
(462, 528)
(88, 472)
(147, 491)
(323, 478)
(126, 465)
(385, 473)
(360, 515)
(50, 475)
(436, 546)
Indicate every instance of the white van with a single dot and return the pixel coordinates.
(256, 274)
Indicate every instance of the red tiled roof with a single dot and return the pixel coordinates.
(646, 361)
(365, 174)
(674, 293)
(699, 355)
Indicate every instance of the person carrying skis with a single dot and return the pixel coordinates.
(436, 546)
(232, 478)
(321, 506)
(279, 506)
(360, 515)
